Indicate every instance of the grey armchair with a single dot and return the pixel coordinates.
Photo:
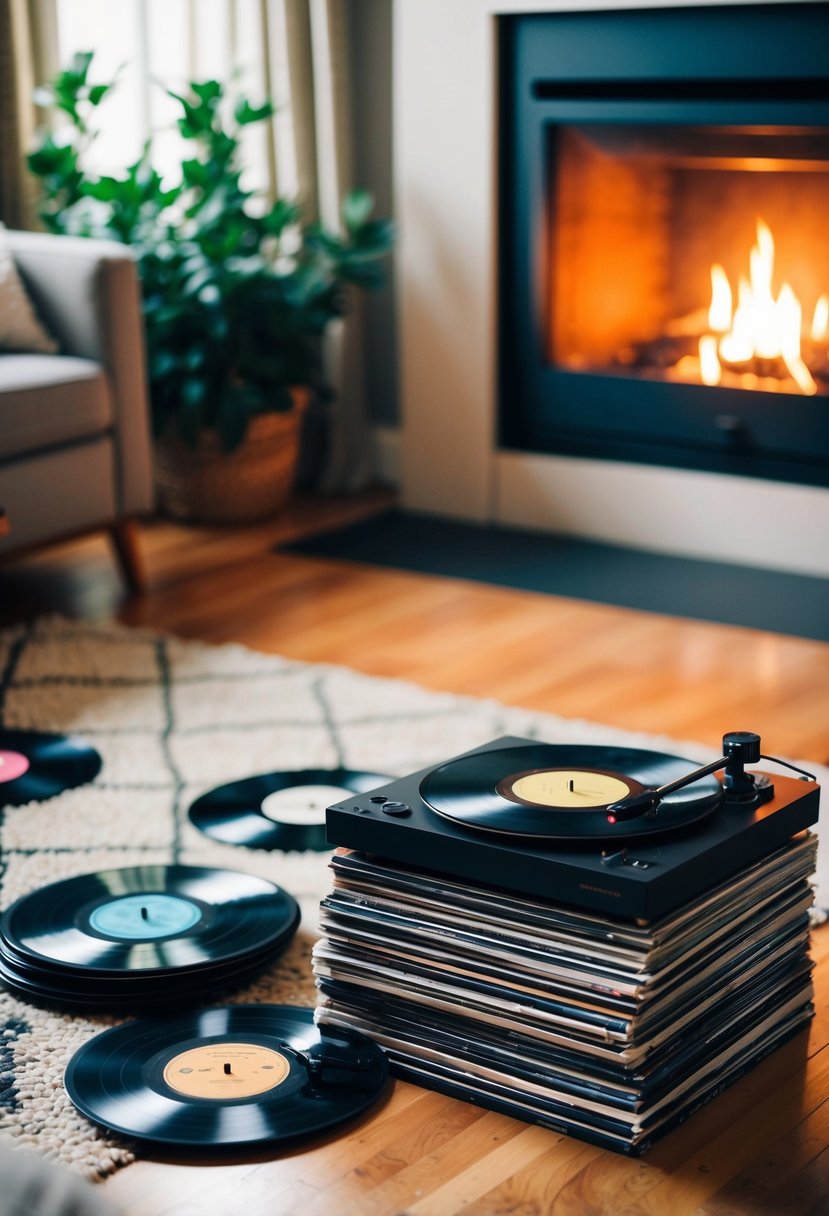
(75, 451)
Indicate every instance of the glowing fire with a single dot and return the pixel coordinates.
(761, 329)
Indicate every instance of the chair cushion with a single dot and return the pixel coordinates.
(49, 400)
(20, 326)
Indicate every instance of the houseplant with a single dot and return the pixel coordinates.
(236, 292)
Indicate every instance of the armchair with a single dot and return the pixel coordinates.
(75, 450)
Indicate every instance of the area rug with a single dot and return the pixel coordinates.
(173, 719)
(731, 594)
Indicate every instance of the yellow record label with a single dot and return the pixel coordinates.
(226, 1070)
(569, 788)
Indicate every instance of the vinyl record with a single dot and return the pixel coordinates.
(128, 994)
(237, 1075)
(280, 810)
(35, 766)
(562, 792)
(149, 921)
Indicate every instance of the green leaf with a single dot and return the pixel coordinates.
(97, 93)
(209, 92)
(106, 189)
(281, 215)
(376, 237)
(80, 65)
(245, 113)
(357, 206)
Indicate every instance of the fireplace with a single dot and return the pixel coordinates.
(664, 286)
(463, 446)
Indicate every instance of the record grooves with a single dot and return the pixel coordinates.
(237, 1075)
(563, 793)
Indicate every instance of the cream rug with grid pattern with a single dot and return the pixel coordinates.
(172, 720)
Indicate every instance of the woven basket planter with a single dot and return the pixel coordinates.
(209, 485)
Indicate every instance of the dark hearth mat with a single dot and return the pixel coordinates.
(794, 604)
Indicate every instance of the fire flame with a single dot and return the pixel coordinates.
(761, 326)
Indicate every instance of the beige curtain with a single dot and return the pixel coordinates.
(16, 112)
(307, 66)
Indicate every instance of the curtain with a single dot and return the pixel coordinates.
(308, 73)
(27, 49)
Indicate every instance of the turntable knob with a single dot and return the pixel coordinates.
(397, 809)
(742, 745)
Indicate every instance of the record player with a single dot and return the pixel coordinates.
(614, 830)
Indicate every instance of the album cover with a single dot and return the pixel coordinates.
(540, 1098)
(365, 945)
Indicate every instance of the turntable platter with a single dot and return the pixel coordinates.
(562, 793)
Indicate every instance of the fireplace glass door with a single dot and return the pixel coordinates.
(664, 240)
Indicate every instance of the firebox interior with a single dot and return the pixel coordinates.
(639, 215)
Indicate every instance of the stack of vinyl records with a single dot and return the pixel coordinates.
(142, 936)
(610, 1030)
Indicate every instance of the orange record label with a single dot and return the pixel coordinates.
(226, 1070)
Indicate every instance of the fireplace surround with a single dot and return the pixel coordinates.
(664, 264)
(458, 458)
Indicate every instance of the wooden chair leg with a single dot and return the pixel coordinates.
(125, 539)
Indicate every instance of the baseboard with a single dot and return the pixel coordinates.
(715, 517)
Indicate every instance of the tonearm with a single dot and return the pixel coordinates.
(740, 747)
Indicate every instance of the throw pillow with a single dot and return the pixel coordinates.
(20, 327)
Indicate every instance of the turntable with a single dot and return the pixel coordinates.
(620, 830)
(597, 940)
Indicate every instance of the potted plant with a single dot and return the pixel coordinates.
(236, 292)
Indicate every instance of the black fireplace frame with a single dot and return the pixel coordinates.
(735, 65)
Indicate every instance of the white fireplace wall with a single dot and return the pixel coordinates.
(445, 153)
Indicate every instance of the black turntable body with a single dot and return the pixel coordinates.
(481, 817)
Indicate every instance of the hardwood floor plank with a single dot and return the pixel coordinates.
(805, 1194)
(532, 1186)
(422, 1137)
(751, 1134)
(481, 1155)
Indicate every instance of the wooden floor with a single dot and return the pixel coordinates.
(762, 1148)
